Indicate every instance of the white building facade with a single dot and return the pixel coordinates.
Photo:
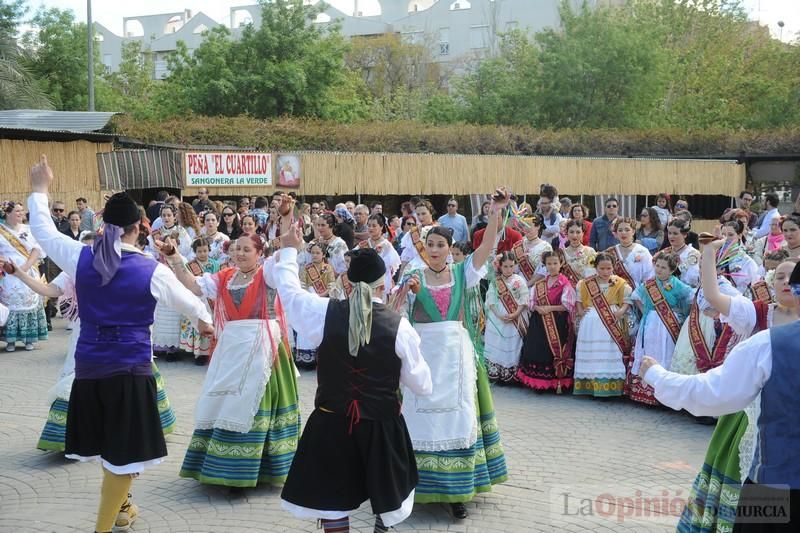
(457, 30)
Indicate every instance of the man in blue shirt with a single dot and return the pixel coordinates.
(455, 222)
(602, 236)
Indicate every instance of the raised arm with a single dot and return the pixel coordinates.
(482, 252)
(708, 278)
(725, 389)
(64, 251)
(304, 311)
(61, 249)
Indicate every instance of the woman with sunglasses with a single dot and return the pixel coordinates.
(650, 235)
(408, 223)
(229, 225)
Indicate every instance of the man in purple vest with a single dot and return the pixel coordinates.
(113, 414)
(766, 364)
(355, 446)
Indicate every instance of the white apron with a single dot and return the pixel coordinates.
(446, 419)
(239, 371)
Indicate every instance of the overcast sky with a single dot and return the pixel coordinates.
(110, 12)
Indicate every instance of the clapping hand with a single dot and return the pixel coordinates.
(167, 247)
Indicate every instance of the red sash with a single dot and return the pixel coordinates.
(663, 309)
(510, 304)
(760, 291)
(525, 266)
(419, 245)
(572, 276)
(195, 268)
(562, 364)
(346, 285)
(316, 279)
(706, 358)
(619, 266)
(606, 314)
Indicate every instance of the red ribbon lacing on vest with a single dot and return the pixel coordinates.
(353, 409)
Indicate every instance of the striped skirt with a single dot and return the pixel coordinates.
(455, 476)
(265, 453)
(54, 432)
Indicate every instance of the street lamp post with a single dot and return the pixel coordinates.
(90, 42)
(781, 25)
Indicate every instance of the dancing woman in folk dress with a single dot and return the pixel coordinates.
(603, 340)
(249, 437)
(548, 351)
(664, 303)
(454, 431)
(578, 258)
(712, 501)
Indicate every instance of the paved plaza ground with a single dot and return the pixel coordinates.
(560, 450)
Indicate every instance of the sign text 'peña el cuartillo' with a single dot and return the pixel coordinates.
(226, 169)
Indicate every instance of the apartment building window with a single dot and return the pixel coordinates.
(460, 4)
(479, 36)
(444, 41)
(413, 37)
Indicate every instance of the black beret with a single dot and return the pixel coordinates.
(121, 210)
(365, 265)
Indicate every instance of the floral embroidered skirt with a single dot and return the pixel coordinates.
(27, 327)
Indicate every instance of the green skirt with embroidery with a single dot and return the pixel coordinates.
(715, 492)
(265, 453)
(456, 476)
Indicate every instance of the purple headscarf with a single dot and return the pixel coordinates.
(108, 253)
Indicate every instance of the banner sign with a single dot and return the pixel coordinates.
(288, 170)
(228, 169)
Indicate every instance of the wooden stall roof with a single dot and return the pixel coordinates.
(333, 173)
(74, 164)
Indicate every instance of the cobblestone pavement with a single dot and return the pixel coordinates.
(554, 445)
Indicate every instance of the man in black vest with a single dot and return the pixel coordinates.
(355, 446)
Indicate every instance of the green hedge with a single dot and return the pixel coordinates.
(289, 134)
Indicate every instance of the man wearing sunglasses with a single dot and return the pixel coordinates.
(59, 215)
(602, 235)
(455, 222)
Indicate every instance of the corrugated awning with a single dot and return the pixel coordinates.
(140, 169)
